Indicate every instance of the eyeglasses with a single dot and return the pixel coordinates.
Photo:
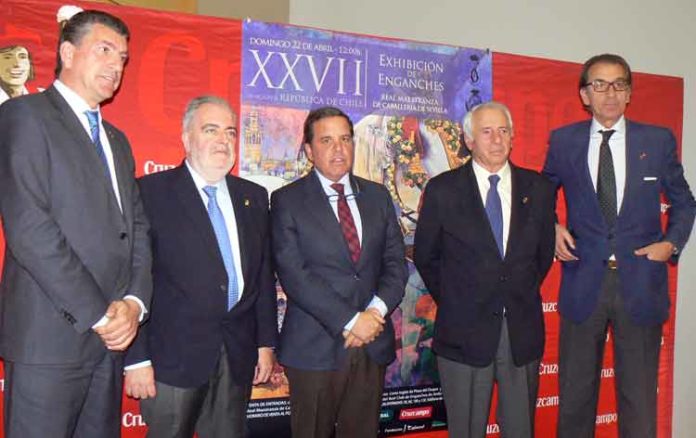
(602, 86)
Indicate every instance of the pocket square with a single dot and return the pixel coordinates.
(649, 178)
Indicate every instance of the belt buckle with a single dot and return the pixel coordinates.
(612, 265)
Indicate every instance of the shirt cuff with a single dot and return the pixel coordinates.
(143, 310)
(135, 366)
(102, 322)
(378, 304)
(352, 322)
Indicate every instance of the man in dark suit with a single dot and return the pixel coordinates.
(340, 258)
(614, 250)
(483, 246)
(76, 278)
(213, 323)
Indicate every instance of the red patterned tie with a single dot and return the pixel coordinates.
(350, 233)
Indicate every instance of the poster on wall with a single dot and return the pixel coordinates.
(406, 101)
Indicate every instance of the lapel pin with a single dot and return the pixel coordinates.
(246, 202)
(643, 155)
(525, 199)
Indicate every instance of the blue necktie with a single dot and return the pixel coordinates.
(223, 240)
(494, 210)
(93, 119)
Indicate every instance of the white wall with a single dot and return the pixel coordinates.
(266, 10)
(655, 37)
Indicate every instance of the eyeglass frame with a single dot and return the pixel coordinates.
(608, 84)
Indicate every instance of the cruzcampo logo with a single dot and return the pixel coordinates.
(386, 415)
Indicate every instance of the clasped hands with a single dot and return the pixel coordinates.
(122, 326)
(565, 244)
(367, 327)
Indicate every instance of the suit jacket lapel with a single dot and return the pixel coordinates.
(634, 148)
(519, 208)
(122, 172)
(192, 204)
(368, 218)
(244, 227)
(579, 156)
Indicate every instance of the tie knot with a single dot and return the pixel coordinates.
(493, 179)
(210, 191)
(606, 134)
(338, 187)
(92, 117)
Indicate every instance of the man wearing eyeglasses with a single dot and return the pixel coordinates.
(339, 256)
(614, 249)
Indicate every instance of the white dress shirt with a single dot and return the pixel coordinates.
(504, 191)
(332, 195)
(617, 145)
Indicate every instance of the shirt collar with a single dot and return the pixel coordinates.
(483, 174)
(76, 103)
(619, 127)
(326, 183)
(201, 183)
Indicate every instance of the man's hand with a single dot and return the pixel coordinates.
(140, 382)
(564, 244)
(264, 367)
(352, 341)
(369, 324)
(119, 332)
(657, 252)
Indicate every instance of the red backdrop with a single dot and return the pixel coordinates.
(174, 57)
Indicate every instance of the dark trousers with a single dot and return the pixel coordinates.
(64, 401)
(345, 402)
(636, 354)
(216, 409)
(467, 391)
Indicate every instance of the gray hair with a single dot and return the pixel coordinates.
(466, 124)
(198, 102)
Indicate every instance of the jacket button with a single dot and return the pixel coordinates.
(356, 277)
(223, 287)
(122, 236)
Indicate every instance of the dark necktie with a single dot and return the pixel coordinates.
(93, 119)
(345, 217)
(223, 240)
(494, 210)
(606, 180)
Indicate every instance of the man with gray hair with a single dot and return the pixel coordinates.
(483, 246)
(213, 322)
